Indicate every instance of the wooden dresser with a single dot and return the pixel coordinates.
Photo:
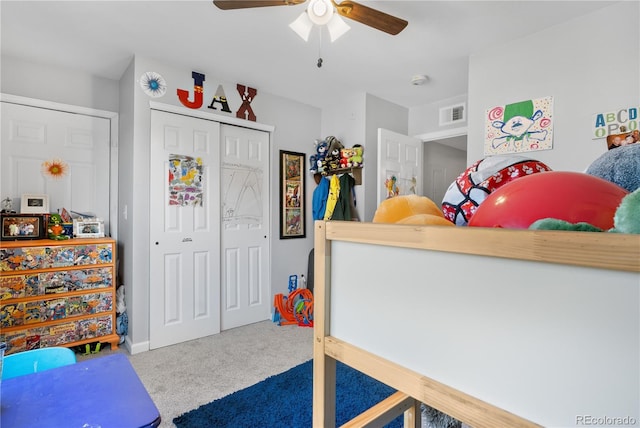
(57, 293)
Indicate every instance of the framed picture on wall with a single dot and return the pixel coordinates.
(292, 202)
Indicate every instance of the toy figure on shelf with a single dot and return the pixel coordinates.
(317, 159)
(55, 228)
(356, 158)
(345, 158)
(331, 161)
(7, 206)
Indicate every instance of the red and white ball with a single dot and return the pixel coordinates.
(473, 185)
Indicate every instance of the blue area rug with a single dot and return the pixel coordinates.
(285, 400)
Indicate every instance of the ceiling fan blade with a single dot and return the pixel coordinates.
(246, 4)
(371, 17)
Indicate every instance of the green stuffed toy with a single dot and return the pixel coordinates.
(627, 216)
(625, 220)
(557, 224)
(356, 159)
(55, 228)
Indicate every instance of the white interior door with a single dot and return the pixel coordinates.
(399, 165)
(245, 226)
(32, 135)
(185, 239)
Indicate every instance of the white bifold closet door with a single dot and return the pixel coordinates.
(210, 264)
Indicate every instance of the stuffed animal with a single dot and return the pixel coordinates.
(356, 158)
(345, 158)
(331, 161)
(317, 159)
(621, 166)
(557, 224)
(410, 209)
(627, 216)
(55, 228)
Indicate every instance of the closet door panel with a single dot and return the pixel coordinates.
(33, 135)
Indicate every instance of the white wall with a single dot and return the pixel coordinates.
(46, 82)
(425, 119)
(135, 292)
(346, 120)
(589, 65)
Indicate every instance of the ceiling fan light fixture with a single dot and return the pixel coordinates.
(320, 11)
(337, 27)
(302, 26)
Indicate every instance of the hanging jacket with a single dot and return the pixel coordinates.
(334, 193)
(319, 202)
(342, 210)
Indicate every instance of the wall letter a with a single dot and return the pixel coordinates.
(183, 95)
(247, 94)
(221, 98)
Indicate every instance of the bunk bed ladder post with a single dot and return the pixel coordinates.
(324, 367)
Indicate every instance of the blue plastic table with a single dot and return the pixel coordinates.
(102, 392)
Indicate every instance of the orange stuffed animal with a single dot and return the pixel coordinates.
(410, 209)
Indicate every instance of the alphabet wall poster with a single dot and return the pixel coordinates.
(185, 180)
(615, 122)
(519, 127)
(619, 128)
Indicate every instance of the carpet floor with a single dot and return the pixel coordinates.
(285, 400)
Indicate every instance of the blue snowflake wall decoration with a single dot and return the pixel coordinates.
(153, 84)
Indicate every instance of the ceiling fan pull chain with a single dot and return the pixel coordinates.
(320, 47)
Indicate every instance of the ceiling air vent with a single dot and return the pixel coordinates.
(452, 114)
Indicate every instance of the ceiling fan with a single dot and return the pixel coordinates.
(321, 12)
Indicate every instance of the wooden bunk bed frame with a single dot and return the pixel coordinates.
(497, 328)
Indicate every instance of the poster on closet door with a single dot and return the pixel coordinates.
(242, 194)
(185, 180)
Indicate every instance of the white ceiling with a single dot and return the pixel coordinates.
(256, 46)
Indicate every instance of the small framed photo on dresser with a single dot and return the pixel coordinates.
(34, 204)
(16, 227)
(88, 228)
